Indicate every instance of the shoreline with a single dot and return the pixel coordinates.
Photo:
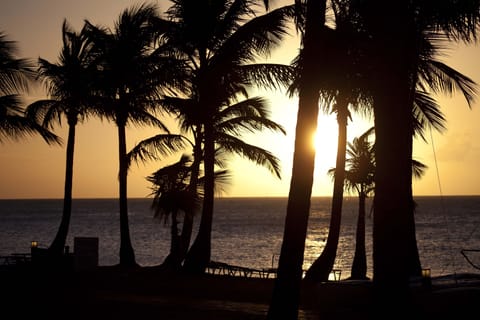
(109, 292)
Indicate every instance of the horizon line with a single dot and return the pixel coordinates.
(234, 197)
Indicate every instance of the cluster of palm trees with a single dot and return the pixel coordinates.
(383, 53)
(147, 66)
(198, 64)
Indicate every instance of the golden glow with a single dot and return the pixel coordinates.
(325, 143)
(32, 169)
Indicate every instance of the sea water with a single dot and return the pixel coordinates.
(246, 231)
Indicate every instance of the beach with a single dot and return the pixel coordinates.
(246, 233)
(143, 293)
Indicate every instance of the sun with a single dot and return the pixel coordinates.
(324, 140)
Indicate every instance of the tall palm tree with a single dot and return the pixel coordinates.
(345, 87)
(133, 76)
(68, 84)
(286, 292)
(396, 54)
(222, 49)
(436, 77)
(15, 77)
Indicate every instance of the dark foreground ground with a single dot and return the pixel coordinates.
(146, 293)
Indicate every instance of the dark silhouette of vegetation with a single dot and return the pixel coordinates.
(132, 77)
(345, 90)
(286, 292)
(360, 177)
(68, 84)
(16, 74)
(220, 49)
(147, 65)
(172, 197)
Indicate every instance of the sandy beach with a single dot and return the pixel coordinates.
(143, 293)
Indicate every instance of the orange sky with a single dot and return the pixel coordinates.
(32, 169)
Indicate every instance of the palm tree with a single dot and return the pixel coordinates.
(69, 86)
(438, 78)
(398, 51)
(387, 49)
(346, 88)
(286, 292)
(133, 76)
(172, 196)
(15, 77)
(360, 177)
(221, 50)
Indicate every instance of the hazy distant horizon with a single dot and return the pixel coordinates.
(241, 197)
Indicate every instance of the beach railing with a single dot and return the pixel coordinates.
(221, 268)
(15, 259)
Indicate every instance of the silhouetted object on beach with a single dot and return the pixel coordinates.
(68, 83)
(15, 77)
(219, 52)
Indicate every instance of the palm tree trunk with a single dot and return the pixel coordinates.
(286, 292)
(58, 244)
(187, 227)
(394, 47)
(127, 255)
(198, 257)
(359, 264)
(323, 265)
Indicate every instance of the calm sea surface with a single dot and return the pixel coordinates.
(246, 231)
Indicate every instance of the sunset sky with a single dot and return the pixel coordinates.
(31, 169)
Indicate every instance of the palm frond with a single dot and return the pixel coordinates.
(418, 169)
(273, 76)
(426, 113)
(15, 125)
(257, 37)
(16, 73)
(155, 147)
(444, 79)
(253, 153)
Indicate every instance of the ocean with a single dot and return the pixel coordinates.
(246, 231)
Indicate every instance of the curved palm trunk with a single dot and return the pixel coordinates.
(359, 264)
(174, 259)
(198, 257)
(286, 291)
(58, 243)
(127, 255)
(414, 267)
(171, 261)
(187, 227)
(323, 265)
